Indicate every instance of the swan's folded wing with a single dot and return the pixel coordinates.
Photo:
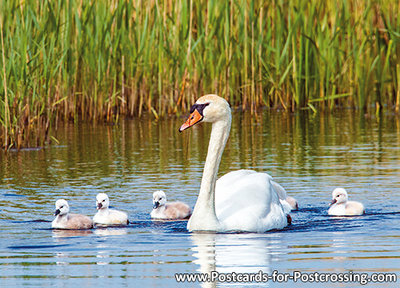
(282, 196)
(246, 201)
(237, 174)
(280, 190)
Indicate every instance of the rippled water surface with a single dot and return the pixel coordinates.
(308, 154)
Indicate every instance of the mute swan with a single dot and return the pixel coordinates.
(242, 200)
(64, 220)
(171, 210)
(342, 207)
(106, 216)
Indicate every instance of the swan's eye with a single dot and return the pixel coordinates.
(61, 207)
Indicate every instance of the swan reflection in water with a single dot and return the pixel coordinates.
(103, 253)
(227, 253)
(110, 231)
(339, 244)
(65, 233)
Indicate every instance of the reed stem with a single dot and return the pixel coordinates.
(102, 60)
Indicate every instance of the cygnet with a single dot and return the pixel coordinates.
(341, 207)
(106, 216)
(64, 220)
(164, 210)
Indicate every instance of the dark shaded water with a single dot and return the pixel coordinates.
(309, 155)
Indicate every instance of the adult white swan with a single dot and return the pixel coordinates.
(242, 200)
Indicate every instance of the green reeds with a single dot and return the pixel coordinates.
(68, 60)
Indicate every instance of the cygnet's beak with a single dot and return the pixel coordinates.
(156, 204)
(57, 212)
(194, 118)
(333, 201)
(99, 206)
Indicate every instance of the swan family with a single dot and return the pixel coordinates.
(239, 201)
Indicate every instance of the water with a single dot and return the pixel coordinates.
(309, 155)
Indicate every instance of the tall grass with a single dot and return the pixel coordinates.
(100, 60)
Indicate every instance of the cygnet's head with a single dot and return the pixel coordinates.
(159, 199)
(339, 195)
(62, 207)
(102, 201)
(208, 108)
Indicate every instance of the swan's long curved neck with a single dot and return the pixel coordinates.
(204, 217)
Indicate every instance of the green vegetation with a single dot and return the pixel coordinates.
(100, 60)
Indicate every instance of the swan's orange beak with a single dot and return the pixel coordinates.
(194, 118)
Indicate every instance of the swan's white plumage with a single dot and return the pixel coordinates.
(288, 202)
(342, 207)
(243, 200)
(106, 216)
